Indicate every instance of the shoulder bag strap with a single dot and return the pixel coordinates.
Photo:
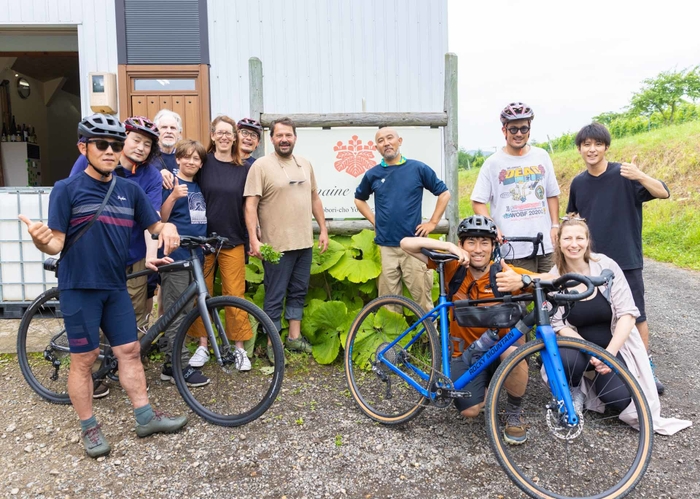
(92, 220)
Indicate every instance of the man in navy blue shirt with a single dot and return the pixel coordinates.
(91, 275)
(397, 184)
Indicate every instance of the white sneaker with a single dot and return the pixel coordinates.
(578, 398)
(200, 357)
(242, 360)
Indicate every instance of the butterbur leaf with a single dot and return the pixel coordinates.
(361, 262)
(321, 325)
(368, 287)
(381, 327)
(321, 262)
(254, 271)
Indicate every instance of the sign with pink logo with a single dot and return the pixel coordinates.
(341, 156)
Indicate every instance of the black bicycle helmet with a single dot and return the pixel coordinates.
(477, 226)
(517, 111)
(251, 124)
(103, 126)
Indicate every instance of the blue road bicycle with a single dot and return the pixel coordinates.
(397, 364)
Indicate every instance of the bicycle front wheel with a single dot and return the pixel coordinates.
(232, 397)
(42, 349)
(380, 392)
(600, 457)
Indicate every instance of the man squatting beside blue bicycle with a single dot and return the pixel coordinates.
(91, 277)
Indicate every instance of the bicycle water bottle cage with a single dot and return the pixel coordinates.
(501, 316)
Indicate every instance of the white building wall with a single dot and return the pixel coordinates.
(94, 19)
(323, 56)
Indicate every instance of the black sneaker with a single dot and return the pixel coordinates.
(101, 390)
(193, 377)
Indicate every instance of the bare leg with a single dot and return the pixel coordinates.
(80, 382)
(643, 328)
(294, 329)
(131, 374)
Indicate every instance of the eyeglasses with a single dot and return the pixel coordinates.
(248, 133)
(514, 129)
(103, 145)
(222, 133)
(292, 182)
(569, 219)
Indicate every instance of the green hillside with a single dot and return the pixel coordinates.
(671, 227)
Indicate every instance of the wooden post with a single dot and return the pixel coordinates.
(452, 143)
(255, 76)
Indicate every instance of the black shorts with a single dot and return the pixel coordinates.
(636, 282)
(477, 386)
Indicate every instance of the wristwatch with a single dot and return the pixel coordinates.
(527, 280)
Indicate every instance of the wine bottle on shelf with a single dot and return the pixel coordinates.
(33, 136)
(4, 133)
(13, 130)
(25, 133)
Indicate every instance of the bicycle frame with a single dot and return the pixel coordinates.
(550, 356)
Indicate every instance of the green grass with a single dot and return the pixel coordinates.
(671, 230)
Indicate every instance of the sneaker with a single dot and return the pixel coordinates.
(161, 423)
(200, 357)
(660, 388)
(102, 390)
(95, 443)
(514, 432)
(271, 355)
(242, 360)
(193, 377)
(299, 344)
(578, 398)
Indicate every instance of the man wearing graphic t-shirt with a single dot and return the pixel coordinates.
(610, 196)
(519, 183)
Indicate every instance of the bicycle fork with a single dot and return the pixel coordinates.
(553, 366)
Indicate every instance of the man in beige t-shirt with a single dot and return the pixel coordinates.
(281, 195)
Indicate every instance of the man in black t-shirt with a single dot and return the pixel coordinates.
(610, 196)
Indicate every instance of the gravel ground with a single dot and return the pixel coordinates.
(314, 442)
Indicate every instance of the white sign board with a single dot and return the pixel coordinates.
(341, 156)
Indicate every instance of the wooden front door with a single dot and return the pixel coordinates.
(145, 90)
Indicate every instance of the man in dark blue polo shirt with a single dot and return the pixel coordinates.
(397, 184)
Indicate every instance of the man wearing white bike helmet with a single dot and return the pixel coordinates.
(519, 184)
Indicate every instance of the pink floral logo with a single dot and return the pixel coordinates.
(355, 158)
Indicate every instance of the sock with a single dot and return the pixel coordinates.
(143, 414)
(516, 401)
(86, 424)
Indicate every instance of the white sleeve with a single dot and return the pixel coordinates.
(482, 189)
(552, 185)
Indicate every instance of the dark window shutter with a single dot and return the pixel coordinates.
(163, 32)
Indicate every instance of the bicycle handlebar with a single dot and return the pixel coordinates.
(194, 241)
(571, 280)
(537, 242)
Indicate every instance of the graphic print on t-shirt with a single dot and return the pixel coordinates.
(523, 185)
(198, 208)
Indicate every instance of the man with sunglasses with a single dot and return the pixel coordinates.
(91, 275)
(135, 163)
(249, 132)
(610, 197)
(281, 196)
(519, 184)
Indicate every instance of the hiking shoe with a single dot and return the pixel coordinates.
(95, 443)
(514, 432)
(193, 377)
(660, 388)
(101, 390)
(578, 398)
(299, 344)
(271, 355)
(161, 423)
(200, 357)
(242, 360)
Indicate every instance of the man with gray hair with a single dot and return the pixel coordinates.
(169, 125)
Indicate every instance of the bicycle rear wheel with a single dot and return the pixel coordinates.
(232, 398)
(600, 457)
(380, 392)
(42, 349)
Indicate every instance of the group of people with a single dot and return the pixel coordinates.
(517, 194)
(149, 178)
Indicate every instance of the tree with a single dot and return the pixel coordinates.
(666, 92)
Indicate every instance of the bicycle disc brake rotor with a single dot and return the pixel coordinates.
(557, 423)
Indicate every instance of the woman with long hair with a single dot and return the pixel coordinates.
(607, 319)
